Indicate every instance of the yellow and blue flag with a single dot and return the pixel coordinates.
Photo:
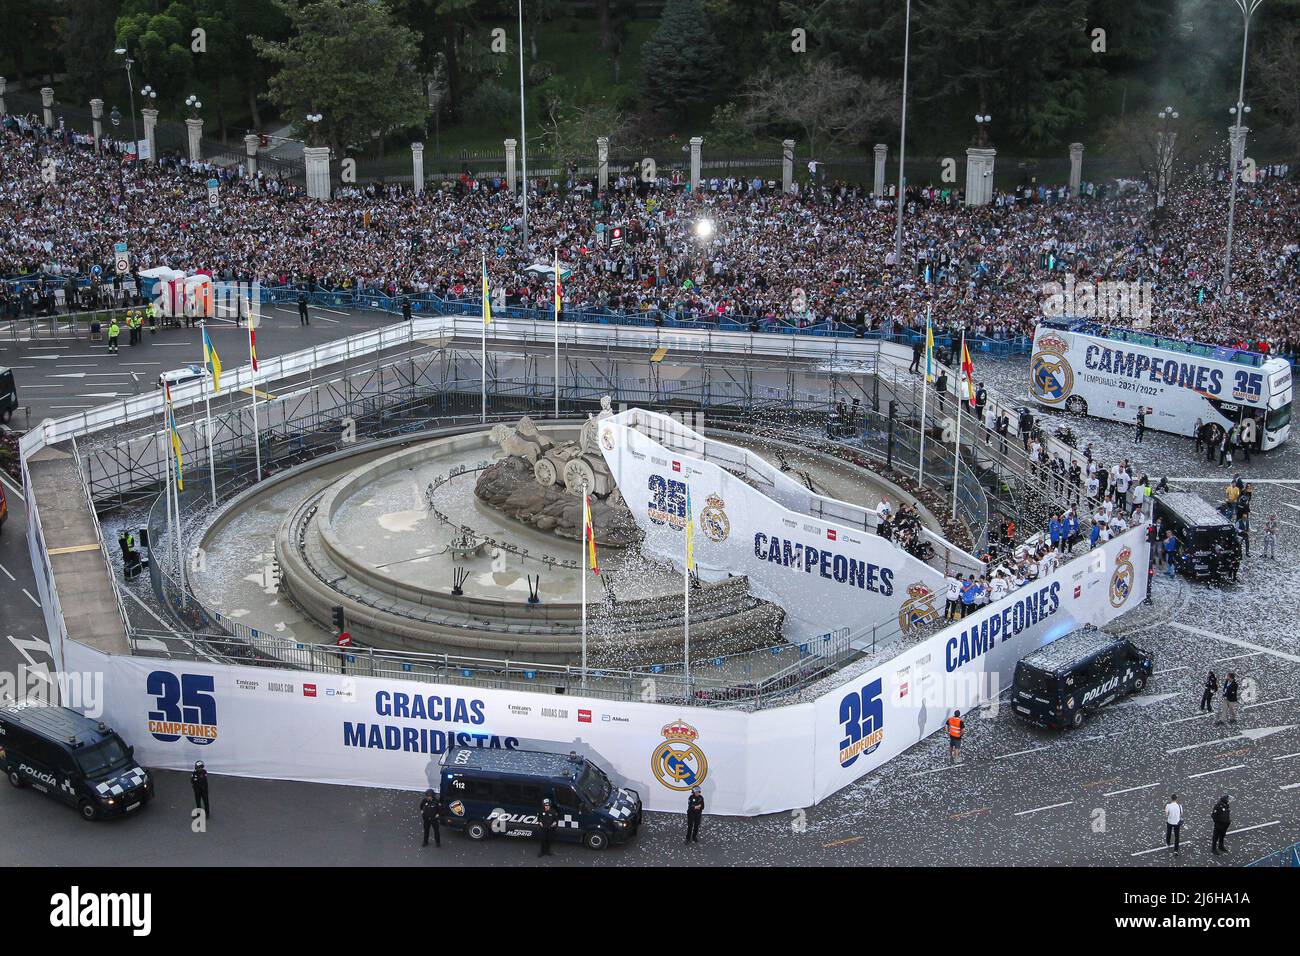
(487, 296)
(211, 361)
(929, 350)
(176, 440)
(690, 533)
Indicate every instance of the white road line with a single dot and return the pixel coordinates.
(1167, 670)
(1183, 720)
(1289, 786)
(1116, 793)
(321, 318)
(1265, 703)
(1288, 756)
(1236, 657)
(7, 574)
(922, 773)
(322, 308)
(1257, 826)
(1210, 773)
(1051, 807)
(30, 598)
(1156, 850)
(1232, 640)
(1021, 753)
(1287, 504)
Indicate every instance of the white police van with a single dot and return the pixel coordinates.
(72, 758)
(486, 791)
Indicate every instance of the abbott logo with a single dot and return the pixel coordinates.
(80, 910)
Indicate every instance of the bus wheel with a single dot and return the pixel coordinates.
(1076, 405)
(87, 810)
(1077, 719)
(595, 840)
(15, 778)
(476, 830)
(1139, 683)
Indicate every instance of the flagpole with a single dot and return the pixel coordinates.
(557, 333)
(582, 570)
(257, 435)
(167, 477)
(207, 407)
(961, 400)
(483, 348)
(925, 378)
(686, 595)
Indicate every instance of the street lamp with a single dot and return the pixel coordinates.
(194, 104)
(523, 143)
(314, 119)
(982, 120)
(902, 138)
(135, 135)
(1247, 8)
(1165, 140)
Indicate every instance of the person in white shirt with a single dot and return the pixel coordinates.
(1173, 822)
(1094, 486)
(882, 509)
(997, 587)
(1122, 481)
(1118, 525)
(953, 611)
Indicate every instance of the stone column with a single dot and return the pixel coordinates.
(979, 175)
(96, 120)
(696, 143)
(194, 127)
(512, 177)
(417, 167)
(602, 163)
(47, 101)
(2, 96)
(878, 183)
(150, 124)
(252, 142)
(1237, 146)
(1076, 169)
(316, 160)
(787, 164)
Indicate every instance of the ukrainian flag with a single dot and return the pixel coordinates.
(176, 441)
(212, 361)
(929, 350)
(690, 533)
(487, 296)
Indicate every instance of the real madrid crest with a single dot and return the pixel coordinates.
(1121, 582)
(677, 762)
(1051, 379)
(713, 520)
(917, 609)
(607, 439)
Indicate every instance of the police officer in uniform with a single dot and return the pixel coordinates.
(199, 781)
(430, 807)
(694, 814)
(406, 308)
(303, 317)
(547, 818)
(955, 727)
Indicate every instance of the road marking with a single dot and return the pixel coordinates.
(969, 813)
(1183, 720)
(335, 311)
(1287, 504)
(922, 773)
(1288, 756)
(659, 354)
(1289, 786)
(1100, 783)
(1207, 773)
(1236, 657)
(1167, 848)
(1265, 703)
(1259, 734)
(1257, 826)
(1232, 640)
(1167, 670)
(845, 842)
(1050, 807)
(1020, 753)
(30, 598)
(7, 574)
(1116, 793)
(322, 318)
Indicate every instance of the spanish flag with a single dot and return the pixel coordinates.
(211, 360)
(558, 297)
(252, 348)
(690, 533)
(589, 533)
(968, 371)
(176, 440)
(929, 350)
(487, 296)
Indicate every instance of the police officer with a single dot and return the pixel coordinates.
(547, 818)
(955, 726)
(113, 332)
(406, 308)
(694, 814)
(303, 317)
(430, 807)
(1222, 818)
(199, 781)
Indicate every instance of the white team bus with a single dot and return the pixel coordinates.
(1111, 373)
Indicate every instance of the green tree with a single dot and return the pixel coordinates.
(681, 60)
(160, 45)
(85, 31)
(229, 62)
(351, 61)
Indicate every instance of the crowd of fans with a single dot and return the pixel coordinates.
(823, 253)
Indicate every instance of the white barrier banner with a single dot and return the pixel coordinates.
(825, 575)
(870, 720)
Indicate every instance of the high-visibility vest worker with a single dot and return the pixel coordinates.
(113, 330)
(954, 727)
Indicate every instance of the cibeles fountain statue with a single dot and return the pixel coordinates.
(540, 482)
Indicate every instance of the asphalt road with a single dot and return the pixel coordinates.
(24, 649)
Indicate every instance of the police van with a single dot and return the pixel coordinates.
(487, 791)
(1066, 681)
(72, 758)
(1208, 545)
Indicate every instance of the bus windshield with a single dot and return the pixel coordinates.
(1278, 418)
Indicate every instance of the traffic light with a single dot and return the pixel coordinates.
(336, 614)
